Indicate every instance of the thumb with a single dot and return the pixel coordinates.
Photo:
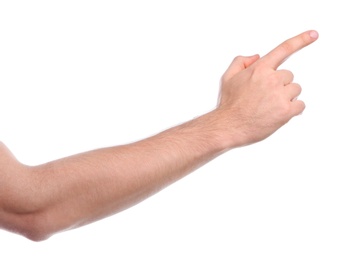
(238, 64)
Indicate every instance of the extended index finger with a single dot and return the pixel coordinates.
(283, 51)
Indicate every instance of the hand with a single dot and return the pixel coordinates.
(255, 98)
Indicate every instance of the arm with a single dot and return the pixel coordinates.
(255, 100)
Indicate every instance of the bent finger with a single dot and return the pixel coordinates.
(293, 91)
(298, 107)
(286, 76)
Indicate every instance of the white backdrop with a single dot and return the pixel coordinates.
(80, 75)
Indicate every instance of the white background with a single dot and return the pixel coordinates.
(80, 75)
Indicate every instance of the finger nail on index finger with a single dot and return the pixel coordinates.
(313, 34)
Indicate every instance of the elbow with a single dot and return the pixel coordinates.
(32, 226)
(36, 235)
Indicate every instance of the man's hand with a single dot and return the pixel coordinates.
(256, 99)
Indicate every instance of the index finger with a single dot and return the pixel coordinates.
(283, 51)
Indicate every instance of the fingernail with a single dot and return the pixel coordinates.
(314, 34)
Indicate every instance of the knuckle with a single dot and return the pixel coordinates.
(258, 71)
(297, 89)
(273, 79)
(288, 74)
(287, 47)
(298, 108)
(238, 58)
(301, 106)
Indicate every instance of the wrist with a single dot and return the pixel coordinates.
(224, 132)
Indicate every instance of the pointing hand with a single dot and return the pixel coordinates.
(256, 98)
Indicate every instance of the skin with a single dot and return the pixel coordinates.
(255, 100)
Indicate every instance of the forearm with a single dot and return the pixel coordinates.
(86, 187)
